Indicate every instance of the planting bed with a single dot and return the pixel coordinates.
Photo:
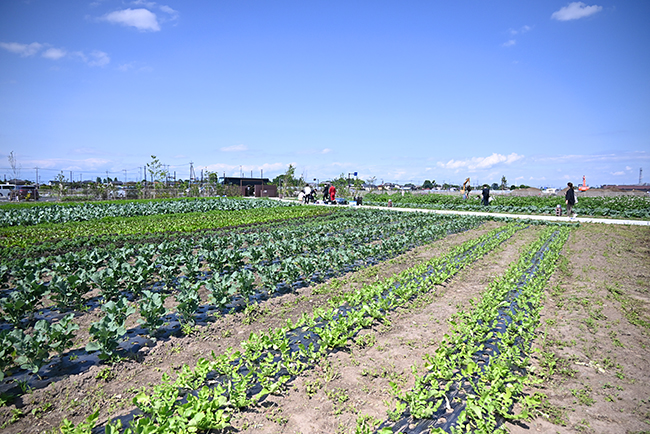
(368, 322)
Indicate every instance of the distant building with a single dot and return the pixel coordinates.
(258, 187)
(638, 187)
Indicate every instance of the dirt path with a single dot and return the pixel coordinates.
(594, 346)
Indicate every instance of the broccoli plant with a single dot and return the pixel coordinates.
(188, 301)
(152, 309)
(107, 331)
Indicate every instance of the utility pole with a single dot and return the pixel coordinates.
(125, 177)
(640, 175)
(192, 174)
(37, 176)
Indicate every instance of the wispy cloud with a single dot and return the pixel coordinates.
(514, 32)
(98, 58)
(95, 58)
(574, 11)
(54, 53)
(522, 29)
(481, 162)
(618, 173)
(326, 151)
(235, 148)
(173, 14)
(142, 19)
(25, 50)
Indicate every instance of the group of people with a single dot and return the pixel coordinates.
(309, 195)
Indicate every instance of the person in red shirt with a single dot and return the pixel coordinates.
(332, 193)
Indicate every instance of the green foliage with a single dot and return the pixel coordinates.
(618, 206)
(152, 309)
(188, 301)
(106, 333)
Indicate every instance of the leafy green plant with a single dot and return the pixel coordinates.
(152, 310)
(188, 301)
(108, 331)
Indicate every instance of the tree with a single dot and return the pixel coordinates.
(157, 173)
(288, 180)
(427, 184)
(60, 179)
(504, 183)
(12, 162)
(494, 186)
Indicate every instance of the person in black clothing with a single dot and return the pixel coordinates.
(486, 195)
(570, 199)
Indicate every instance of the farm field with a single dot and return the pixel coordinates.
(621, 206)
(325, 320)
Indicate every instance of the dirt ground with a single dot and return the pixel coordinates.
(591, 355)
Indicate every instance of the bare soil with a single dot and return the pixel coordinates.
(591, 355)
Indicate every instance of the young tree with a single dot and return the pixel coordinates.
(61, 180)
(504, 183)
(12, 163)
(157, 173)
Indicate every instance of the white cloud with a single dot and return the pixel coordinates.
(522, 29)
(481, 162)
(173, 14)
(99, 58)
(141, 19)
(235, 148)
(25, 50)
(618, 173)
(628, 168)
(54, 53)
(326, 151)
(574, 11)
(509, 43)
(145, 3)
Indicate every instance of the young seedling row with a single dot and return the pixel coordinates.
(474, 381)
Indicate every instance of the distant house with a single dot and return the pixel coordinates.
(258, 187)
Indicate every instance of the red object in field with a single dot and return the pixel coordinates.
(583, 187)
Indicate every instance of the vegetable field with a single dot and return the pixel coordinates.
(627, 207)
(254, 316)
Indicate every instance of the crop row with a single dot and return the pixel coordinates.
(24, 236)
(475, 379)
(621, 206)
(56, 213)
(204, 397)
(233, 269)
(250, 221)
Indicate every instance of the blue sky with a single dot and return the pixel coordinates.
(542, 92)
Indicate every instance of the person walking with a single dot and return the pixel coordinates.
(332, 193)
(326, 193)
(570, 199)
(486, 195)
